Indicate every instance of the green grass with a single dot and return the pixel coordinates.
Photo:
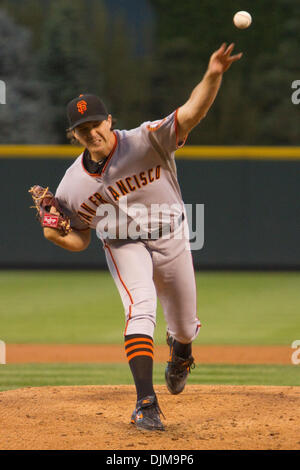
(14, 376)
(85, 307)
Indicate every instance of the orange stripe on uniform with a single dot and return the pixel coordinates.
(129, 318)
(118, 272)
(123, 284)
(178, 144)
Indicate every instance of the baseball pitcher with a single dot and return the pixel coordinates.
(124, 185)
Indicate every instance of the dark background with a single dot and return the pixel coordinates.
(143, 57)
(251, 214)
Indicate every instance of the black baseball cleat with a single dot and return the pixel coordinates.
(177, 369)
(146, 414)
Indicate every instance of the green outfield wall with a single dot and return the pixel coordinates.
(250, 197)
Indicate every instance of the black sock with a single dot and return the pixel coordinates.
(182, 350)
(139, 351)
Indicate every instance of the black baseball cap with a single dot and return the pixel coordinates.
(85, 108)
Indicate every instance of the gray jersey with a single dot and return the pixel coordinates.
(139, 173)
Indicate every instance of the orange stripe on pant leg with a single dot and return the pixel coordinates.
(123, 284)
(118, 272)
(129, 318)
(141, 353)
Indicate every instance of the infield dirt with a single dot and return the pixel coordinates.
(202, 417)
(204, 354)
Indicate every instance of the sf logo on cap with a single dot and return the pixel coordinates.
(82, 106)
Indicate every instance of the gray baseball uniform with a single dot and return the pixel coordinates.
(136, 207)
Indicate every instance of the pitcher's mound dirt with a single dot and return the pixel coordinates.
(202, 417)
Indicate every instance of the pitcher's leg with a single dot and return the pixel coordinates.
(175, 283)
(176, 289)
(131, 267)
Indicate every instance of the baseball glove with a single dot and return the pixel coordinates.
(43, 201)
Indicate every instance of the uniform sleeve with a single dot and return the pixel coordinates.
(75, 221)
(165, 131)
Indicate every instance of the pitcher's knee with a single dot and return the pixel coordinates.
(141, 318)
(140, 325)
(186, 333)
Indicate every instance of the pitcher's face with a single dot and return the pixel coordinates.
(96, 136)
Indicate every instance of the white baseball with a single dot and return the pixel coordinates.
(242, 19)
